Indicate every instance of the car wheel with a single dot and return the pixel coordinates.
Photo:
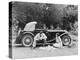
(66, 40)
(27, 40)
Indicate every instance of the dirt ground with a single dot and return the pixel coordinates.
(27, 52)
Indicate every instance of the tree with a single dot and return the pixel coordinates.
(70, 16)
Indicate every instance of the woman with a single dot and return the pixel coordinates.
(58, 43)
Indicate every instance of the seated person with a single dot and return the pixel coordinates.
(58, 43)
(39, 36)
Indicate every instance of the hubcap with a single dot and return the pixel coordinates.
(66, 41)
(28, 40)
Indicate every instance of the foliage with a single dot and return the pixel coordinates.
(52, 15)
(70, 16)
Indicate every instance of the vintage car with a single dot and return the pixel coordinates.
(26, 37)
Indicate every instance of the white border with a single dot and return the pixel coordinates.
(4, 29)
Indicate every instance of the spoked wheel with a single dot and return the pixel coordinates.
(27, 40)
(66, 40)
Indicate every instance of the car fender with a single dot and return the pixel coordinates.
(64, 34)
(28, 33)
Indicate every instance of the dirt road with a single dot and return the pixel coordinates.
(25, 52)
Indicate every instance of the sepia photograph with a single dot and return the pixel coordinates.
(42, 30)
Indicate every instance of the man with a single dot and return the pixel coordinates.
(39, 36)
(58, 43)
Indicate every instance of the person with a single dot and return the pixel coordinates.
(58, 43)
(39, 36)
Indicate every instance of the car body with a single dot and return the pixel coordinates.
(26, 38)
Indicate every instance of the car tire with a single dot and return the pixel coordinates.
(27, 40)
(66, 40)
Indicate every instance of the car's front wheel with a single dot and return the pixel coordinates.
(66, 40)
(27, 40)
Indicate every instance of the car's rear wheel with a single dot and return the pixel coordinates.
(27, 40)
(66, 40)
